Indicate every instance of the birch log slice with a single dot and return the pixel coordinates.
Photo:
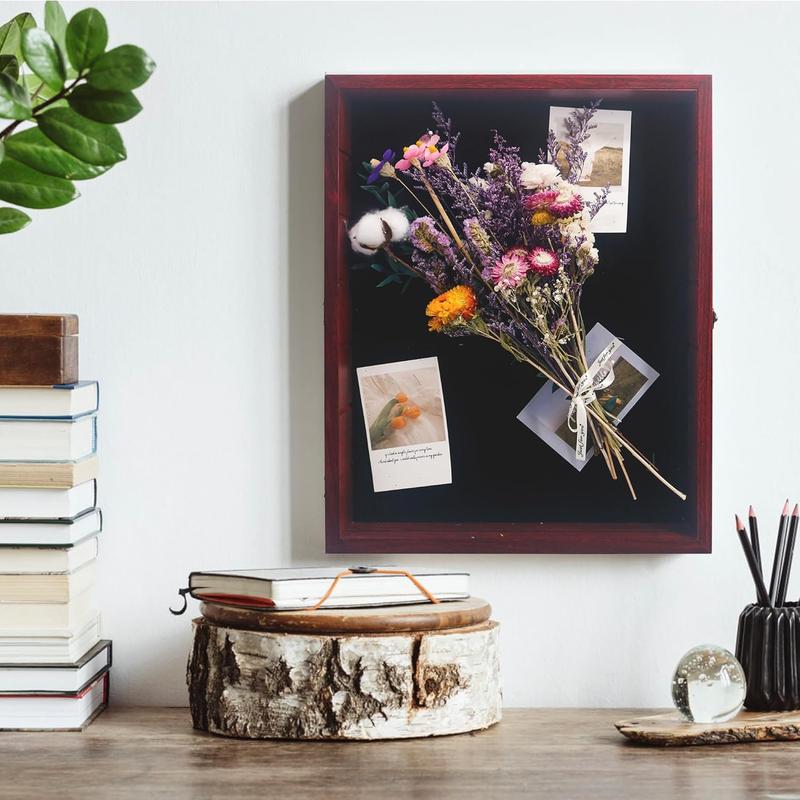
(414, 618)
(273, 685)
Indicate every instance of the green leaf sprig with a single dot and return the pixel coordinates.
(62, 94)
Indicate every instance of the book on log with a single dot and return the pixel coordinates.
(297, 588)
(38, 349)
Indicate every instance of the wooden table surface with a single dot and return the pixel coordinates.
(565, 753)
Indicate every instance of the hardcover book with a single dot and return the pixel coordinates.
(70, 676)
(64, 401)
(54, 532)
(47, 439)
(27, 503)
(19, 560)
(285, 589)
(65, 711)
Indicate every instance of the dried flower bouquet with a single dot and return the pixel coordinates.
(507, 249)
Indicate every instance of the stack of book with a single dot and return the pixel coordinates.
(53, 664)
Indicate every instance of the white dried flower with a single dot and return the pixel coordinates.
(536, 176)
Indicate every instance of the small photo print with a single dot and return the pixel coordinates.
(607, 163)
(405, 424)
(546, 413)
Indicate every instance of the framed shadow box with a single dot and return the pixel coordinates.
(507, 489)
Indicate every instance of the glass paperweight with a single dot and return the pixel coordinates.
(708, 685)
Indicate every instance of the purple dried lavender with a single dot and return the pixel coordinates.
(425, 236)
(481, 243)
(578, 125)
(550, 154)
(598, 201)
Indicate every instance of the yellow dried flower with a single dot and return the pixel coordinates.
(542, 217)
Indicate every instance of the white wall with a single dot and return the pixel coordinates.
(196, 268)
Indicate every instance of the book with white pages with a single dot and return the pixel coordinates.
(65, 401)
(33, 587)
(66, 711)
(18, 560)
(50, 646)
(47, 439)
(45, 616)
(17, 503)
(293, 588)
(48, 474)
(51, 532)
(66, 676)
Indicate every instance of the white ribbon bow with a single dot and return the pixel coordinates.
(599, 376)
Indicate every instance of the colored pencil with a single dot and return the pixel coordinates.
(753, 521)
(761, 589)
(788, 555)
(777, 561)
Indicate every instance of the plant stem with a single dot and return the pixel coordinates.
(9, 129)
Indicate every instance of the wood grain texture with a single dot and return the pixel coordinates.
(669, 730)
(265, 685)
(38, 324)
(399, 619)
(563, 754)
(346, 535)
(33, 360)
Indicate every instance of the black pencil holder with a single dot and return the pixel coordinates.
(768, 648)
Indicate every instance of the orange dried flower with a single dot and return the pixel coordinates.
(455, 305)
(398, 422)
(401, 397)
(412, 412)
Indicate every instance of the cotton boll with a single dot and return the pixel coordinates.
(368, 234)
(397, 221)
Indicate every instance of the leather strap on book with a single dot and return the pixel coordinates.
(372, 571)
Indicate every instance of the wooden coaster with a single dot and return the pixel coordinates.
(394, 619)
(666, 730)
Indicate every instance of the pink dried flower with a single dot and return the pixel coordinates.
(424, 152)
(411, 154)
(543, 262)
(566, 204)
(510, 269)
(540, 200)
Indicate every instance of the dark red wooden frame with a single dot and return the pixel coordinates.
(343, 534)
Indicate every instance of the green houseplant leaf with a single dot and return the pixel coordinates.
(109, 107)
(26, 187)
(124, 68)
(11, 35)
(55, 23)
(85, 139)
(14, 100)
(86, 38)
(32, 148)
(12, 220)
(43, 57)
(9, 66)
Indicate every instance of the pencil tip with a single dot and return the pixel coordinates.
(738, 522)
(796, 512)
(751, 512)
(785, 508)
